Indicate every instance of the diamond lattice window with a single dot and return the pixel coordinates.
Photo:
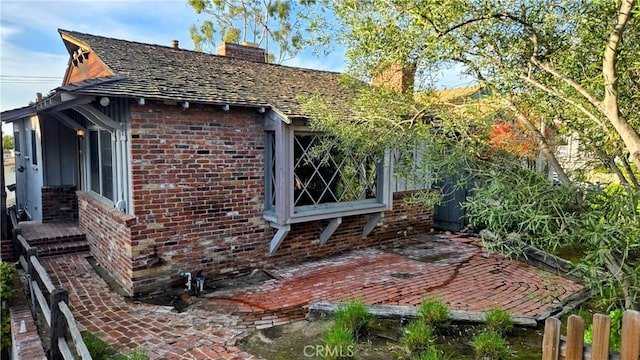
(324, 174)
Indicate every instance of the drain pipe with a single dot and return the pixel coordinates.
(199, 282)
(188, 276)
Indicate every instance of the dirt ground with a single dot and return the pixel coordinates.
(383, 341)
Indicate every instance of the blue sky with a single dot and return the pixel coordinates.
(33, 58)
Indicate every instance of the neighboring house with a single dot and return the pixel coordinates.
(173, 160)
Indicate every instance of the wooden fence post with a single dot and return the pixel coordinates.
(601, 332)
(575, 338)
(551, 339)
(31, 271)
(57, 321)
(630, 348)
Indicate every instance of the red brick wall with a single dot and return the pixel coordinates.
(198, 192)
(59, 203)
(108, 232)
(6, 250)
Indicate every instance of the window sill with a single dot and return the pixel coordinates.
(313, 213)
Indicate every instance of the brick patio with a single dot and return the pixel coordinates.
(450, 267)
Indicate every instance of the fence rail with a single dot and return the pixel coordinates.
(63, 329)
(572, 347)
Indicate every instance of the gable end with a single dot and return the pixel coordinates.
(84, 64)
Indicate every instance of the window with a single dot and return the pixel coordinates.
(308, 177)
(101, 163)
(16, 142)
(34, 148)
(325, 174)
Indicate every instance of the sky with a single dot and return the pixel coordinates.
(33, 58)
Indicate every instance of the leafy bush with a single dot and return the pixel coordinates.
(491, 346)
(6, 292)
(418, 337)
(353, 316)
(605, 224)
(498, 321)
(433, 312)
(339, 343)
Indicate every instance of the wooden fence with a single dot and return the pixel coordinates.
(572, 346)
(63, 329)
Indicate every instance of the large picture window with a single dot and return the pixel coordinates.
(101, 163)
(309, 177)
(325, 174)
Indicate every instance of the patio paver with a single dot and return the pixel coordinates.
(451, 267)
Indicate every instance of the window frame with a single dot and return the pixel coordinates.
(89, 159)
(283, 211)
(34, 147)
(16, 142)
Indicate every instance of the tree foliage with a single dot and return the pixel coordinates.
(7, 142)
(569, 65)
(278, 25)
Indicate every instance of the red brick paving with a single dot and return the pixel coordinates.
(453, 268)
(128, 325)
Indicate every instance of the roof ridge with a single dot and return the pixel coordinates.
(199, 53)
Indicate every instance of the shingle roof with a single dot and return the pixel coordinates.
(166, 73)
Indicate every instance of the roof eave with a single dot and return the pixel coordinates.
(17, 114)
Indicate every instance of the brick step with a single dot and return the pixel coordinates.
(53, 240)
(67, 247)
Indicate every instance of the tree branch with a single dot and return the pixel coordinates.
(558, 94)
(579, 88)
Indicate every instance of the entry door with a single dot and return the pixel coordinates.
(450, 215)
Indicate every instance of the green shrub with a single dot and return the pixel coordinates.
(338, 343)
(418, 337)
(6, 292)
(353, 316)
(491, 346)
(433, 312)
(432, 354)
(499, 321)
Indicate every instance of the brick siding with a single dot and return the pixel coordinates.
(198, 192)
(6, 250)
(59, 203)
(108, 232)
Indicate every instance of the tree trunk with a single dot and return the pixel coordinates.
(542, 143)
(610, 103)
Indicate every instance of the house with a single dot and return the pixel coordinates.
(174, 160)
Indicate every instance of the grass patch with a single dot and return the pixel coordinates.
(490, 345)
(434, 312)
(432, 354)
(499, 321)
(100, 350)
(418, 337)
(352, 316)
(338, 343)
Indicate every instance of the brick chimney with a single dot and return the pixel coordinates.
(175, 44)
(397, 77)
(247, 51)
